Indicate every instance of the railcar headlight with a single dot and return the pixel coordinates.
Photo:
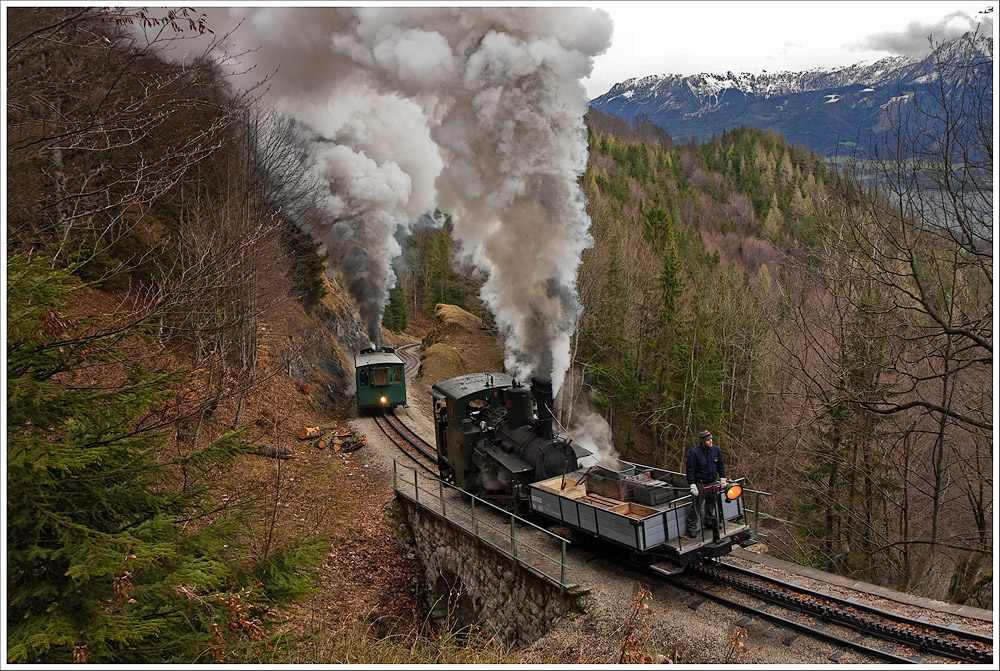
(734, 492)
(383, 400)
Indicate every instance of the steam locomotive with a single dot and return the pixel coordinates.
(495, 439)
(490, 441)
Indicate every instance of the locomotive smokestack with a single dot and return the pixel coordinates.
(518, 407)
(541, 387)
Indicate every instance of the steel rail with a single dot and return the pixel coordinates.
(849, 603)
(868, 620)
(414, 360)
(790, 624)
(382, 423)
(403, 429)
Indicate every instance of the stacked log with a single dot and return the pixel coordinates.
(327, 435)
(353, 443)
(332, 439)
(307, 432)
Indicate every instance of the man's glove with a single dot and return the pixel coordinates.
(723, 481)
(694, 489)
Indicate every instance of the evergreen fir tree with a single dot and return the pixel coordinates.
(395, 316)
(108, 561)
(441, 277)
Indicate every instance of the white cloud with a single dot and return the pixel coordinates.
(913, 39)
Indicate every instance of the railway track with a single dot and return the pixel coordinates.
(923, 637)
(846, 624)
(411, 360)
(407, 440)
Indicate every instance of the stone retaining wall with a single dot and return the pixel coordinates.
(471, 583)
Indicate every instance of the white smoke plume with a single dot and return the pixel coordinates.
(476, 110)
(590, 430)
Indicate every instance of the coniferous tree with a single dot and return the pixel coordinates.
(395, 316)
(109, 560)
(441, 277)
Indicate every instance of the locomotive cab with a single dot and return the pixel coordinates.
(461, 407)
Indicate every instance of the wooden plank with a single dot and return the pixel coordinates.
(569, 492)
(634, 510)
(600, 501)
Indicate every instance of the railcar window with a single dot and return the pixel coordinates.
(380, 375)
(397, 373)
(363, 376)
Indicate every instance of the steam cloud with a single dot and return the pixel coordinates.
(476, 110)
(590, 430)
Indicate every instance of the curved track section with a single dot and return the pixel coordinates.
(877, 634)
(789, 622)
(407, 440)
(411, 360)
(410, 436)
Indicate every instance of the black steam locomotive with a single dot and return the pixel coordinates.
(495, 439)
(490, 441)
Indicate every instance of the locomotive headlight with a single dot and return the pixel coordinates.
(734, 492)
(383, 400)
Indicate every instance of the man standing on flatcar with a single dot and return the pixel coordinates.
(705, 467)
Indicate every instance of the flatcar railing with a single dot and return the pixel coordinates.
(744, 516)
(747, 516)
(430, 494)
(757, 514)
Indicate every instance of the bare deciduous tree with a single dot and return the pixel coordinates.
(908, 269)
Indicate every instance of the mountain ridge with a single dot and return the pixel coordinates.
(825, 109)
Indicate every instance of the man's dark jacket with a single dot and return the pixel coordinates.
(705, 465)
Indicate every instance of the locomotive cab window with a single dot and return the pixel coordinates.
(476, 407)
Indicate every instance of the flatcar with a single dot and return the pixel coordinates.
(642, 511)
(379, 379)
(495, 439)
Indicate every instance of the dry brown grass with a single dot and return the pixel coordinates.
(458, 343)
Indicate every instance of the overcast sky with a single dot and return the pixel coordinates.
(692, 37)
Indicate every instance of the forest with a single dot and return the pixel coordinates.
(830, 324)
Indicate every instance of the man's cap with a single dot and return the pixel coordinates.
(704, 435)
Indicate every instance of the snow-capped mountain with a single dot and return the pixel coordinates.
(827, 110)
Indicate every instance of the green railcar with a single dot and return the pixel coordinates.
(379, 378)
